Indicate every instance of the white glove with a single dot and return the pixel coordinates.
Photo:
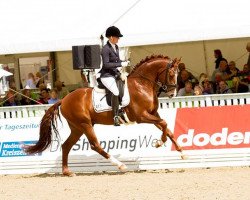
(119, 68)
(125, 63)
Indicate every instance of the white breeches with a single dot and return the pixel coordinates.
(110, 83)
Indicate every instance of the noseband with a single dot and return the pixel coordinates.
(166, 86)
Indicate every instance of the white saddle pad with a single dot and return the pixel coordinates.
(99, 99)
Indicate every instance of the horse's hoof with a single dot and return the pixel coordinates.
(183, 157)
(69, 174)
(123, 168)
(158, 144)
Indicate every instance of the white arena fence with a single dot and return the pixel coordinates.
(205, 101)
(212, 129)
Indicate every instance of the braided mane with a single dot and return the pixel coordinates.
(147, 59)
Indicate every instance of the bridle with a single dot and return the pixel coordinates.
(166, 86)
(163, 87)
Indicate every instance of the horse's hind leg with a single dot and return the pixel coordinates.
(67, 145)
(95, 145)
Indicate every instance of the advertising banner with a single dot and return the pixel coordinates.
(125, 143)
(210, 136)
(224, 127)
(14, 133)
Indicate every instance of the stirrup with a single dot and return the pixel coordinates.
(116, 121)
(121, 114)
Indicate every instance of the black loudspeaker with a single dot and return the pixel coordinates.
(86, 57)
(78, 57)
(92, 56)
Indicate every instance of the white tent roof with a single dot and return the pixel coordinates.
(55, 25)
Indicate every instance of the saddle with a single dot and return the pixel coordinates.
(120, 84)
(101, 97)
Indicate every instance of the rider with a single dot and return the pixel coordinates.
(109, 73)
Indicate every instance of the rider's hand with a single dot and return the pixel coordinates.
(125, 63)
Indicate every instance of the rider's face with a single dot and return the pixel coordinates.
(114, 39)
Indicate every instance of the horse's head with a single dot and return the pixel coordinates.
(168, 80)
(159, 70)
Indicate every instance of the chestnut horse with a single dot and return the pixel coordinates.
(144, 81)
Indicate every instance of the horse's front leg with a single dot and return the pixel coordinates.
(162, 125)
(158, 122)
(166, 132)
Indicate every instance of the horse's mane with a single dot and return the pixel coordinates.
(148, 59)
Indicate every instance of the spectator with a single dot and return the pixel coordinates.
(39, 79)
(1, 101)
(42, 86)
(62, 90)
(239, 86)
(184, 76)
(248, 49)
(181, 66)
(53, 96)
(233, 69)
(10, 100)
(207, 88)
(246, 68)
(44, 96)
(13, 89)
(35, 94)
(27, 99)
(187, 90)
(224, 70)
(223, 88)
(202, 78)
(218, 78)
(30, 82)
(197, 90)
(245, 71)
(12, 85)
(219, 57)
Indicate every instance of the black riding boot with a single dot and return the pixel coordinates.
(115, 108)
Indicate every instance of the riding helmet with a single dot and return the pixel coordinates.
(113, 31)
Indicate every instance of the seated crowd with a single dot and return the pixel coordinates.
(227, 78)
(41, 95)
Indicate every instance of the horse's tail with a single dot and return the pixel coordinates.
(45, 138)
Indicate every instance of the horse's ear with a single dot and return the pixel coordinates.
(176, 62)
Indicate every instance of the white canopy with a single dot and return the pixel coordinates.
(56, 25)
